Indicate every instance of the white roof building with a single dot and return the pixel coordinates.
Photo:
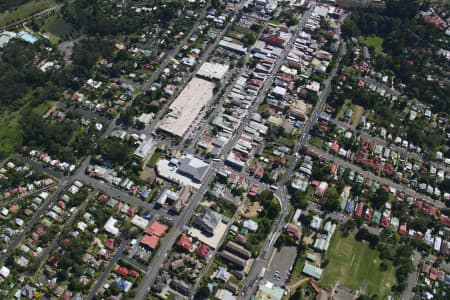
(144, 149)
(4, 272)
(193, 167)
(140, 222)
(250, 225)
(110, 226)
(214, 71)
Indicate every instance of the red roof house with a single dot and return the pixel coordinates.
(109, 244)
(259, 173)
(150, 241)
(274, 40)
(14, 208)
(134, 273)
(433, 274)
(203, 251)
(254, 190)
(385, 221)
(122, 271)
(445, 220)
(40, 231)
(359, 210)
(403, 229)
(157, 229)
(368, 215)
(131, 211)
(184, 243)
(102, 198)
(334, 147)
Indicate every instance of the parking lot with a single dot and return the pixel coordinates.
(281, 263)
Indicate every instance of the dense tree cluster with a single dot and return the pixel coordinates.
(55, 137)
(408, 45)
(88, 51)
(10, 4)
(18, 73)
(115, 151)
(100, 17)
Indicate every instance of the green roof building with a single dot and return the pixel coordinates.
(312, 271)
(268, 291)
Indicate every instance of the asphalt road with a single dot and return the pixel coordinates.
(58, 237)
(392, 146)
(411, 282)
(382, 180)
(169, 240)
(252, 279)
(29, 225)
(203, 58)
(101, 280)
(85, 113)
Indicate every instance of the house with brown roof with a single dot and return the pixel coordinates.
(294, 231)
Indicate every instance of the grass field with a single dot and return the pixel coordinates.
(285, 141)
(374, 41)
(25, 10)
(316, 141)
(352, 263)
(154, 159)
(10, 131)
(340, 115)
(57, 28)
(10, 134)
(358, 111)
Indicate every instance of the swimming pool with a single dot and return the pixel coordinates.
(27, 37)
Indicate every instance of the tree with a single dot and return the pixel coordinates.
(379, 199)
(349, 28)
(115, 151)
(383, 266)
(202, 293)
(330, 200)
(404, 9)
(349, 226)
(299, 199)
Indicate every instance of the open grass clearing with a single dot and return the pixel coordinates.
(373, 41)
(154, 159)
(352, 263)
(285, 141)
(358, 111)
(10, 134)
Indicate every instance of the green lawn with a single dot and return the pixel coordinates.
(374, 41)
(316, 141)
(10, 134)
(352, 263)
(10, 131)
(285, 141)
(57, 28)
(358, 111)
(25, 10)
(154, 159)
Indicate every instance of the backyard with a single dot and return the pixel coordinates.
(354, 265)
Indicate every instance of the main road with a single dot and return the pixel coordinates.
(169, 241)
(382, 180)
(392, 146)
(262, 261)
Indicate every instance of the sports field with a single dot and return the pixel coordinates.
(354, 265)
